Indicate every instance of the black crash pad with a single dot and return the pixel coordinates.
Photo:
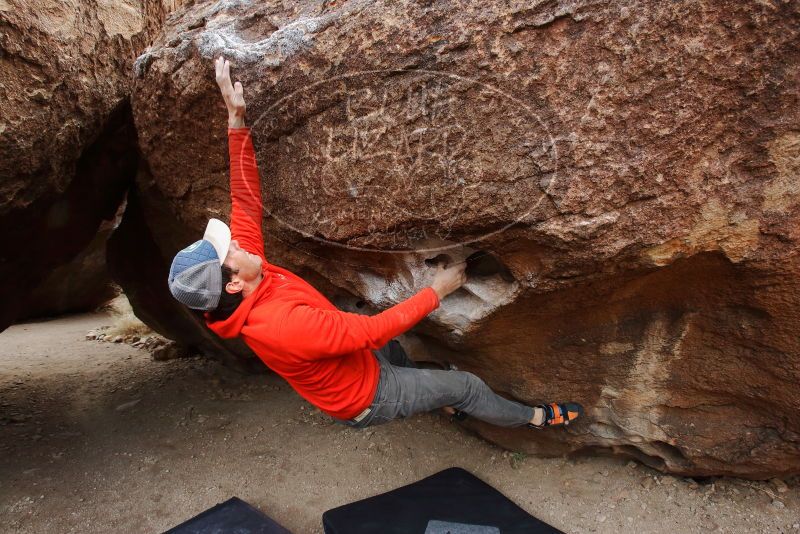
(452, 501)
(233, 515)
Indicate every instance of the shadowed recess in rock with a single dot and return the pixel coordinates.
(56, 227)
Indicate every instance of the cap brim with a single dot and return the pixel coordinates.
(219, 235)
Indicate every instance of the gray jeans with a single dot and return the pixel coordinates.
(404, 390)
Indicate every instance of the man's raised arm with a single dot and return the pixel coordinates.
(312, 333)
(246, 202)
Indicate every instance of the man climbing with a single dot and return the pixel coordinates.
(325, 354)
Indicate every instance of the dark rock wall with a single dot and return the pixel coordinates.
(67, 145)
(51, 230)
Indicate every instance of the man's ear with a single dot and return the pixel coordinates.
(234, 286)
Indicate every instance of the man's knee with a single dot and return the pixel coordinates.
(473, 382)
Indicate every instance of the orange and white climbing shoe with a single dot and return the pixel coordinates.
(559, 413)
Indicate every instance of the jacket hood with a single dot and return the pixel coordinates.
(232, 326)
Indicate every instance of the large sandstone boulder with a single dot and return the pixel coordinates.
(621, 178)
(67, 144)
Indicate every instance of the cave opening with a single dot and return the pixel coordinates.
(481, 264)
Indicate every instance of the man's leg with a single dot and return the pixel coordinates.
(394, 354)
(408, 391)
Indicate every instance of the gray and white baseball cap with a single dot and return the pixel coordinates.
(195, 278)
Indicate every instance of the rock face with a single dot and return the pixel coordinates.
(622, 179)
(67, 144)
(80, 285)
(65, 156)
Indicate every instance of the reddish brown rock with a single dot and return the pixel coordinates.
(80, 285)
(623, 178)
(67, 145)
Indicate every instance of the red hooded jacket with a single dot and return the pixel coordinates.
(325, 354)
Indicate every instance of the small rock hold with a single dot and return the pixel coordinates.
(778, 504)
(779, 485)
(39, 95)
(128, 405)
(170, 351)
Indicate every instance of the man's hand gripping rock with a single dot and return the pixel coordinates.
(233, 94)
(448, 278)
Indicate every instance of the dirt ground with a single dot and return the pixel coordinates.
(96, 437)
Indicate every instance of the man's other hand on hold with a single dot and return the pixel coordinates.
(448, 278)
(232, 94)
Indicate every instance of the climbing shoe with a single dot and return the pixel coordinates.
(559, 414)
